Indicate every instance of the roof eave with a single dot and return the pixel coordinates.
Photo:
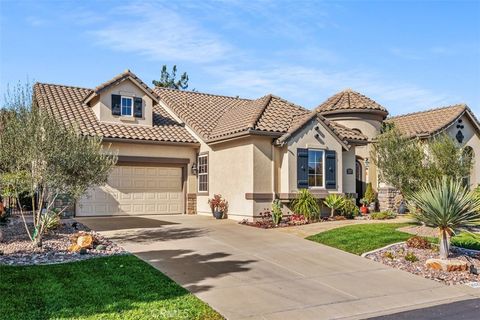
(158, 142)
(343, 111)
(244, 133)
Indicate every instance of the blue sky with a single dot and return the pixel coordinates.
(406, 55)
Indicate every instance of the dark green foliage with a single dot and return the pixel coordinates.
(369, 194)
(119, 287)
(169, 80)
(466, 240)
(306, 205)
(349, 209)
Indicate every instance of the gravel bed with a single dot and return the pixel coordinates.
(450, 278)
(17, 249)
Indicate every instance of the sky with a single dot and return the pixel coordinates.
(406, 55)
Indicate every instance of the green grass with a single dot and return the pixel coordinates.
(362, 238)
(118, 287)
(466, 240)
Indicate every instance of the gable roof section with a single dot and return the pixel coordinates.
(344, 135)
(350, 101)
(66, 104)
(127, 74)
(216, 117)
(430, 122)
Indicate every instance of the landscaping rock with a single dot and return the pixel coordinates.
(447, 265)
(85, 241)
(101, 247)
(83, 251)
(18, 249)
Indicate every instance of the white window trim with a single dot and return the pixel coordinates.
(324, 172)
(202, 174)
(121, 106)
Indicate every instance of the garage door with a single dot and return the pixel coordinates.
(132, 190)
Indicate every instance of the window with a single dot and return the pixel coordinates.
(126, 105)
(315, 168)
(203, 173)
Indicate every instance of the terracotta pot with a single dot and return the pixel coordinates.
(363, 210)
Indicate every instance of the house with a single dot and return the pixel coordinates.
(176, 149)
(361, 114)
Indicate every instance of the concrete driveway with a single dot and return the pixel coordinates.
(249, 273)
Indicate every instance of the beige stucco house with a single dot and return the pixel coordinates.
(178, 148)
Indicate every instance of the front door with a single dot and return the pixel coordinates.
(359, 180)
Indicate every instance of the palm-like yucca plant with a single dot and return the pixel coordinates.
(334, 202)
(306, 205)
(447, 205)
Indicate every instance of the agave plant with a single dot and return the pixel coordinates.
(447, 205)
(306, 205)
(334, 202)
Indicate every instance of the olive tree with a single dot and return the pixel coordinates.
(408, 163)
(43, 158)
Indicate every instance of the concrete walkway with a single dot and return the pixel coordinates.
(249, 273)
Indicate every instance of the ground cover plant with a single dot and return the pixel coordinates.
(117, 287)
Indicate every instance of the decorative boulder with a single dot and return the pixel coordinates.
(74, 248)
(101, 247)
(83, 251)
(447, 265)
(85, 241)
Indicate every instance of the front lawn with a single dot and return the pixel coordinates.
(362, 238)
(116, 287)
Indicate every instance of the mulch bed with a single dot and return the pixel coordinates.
(17, 249)
(265, 221)
(450, 278)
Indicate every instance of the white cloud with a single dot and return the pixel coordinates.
(160, 34)
(311, 86)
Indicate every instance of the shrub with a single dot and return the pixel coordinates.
(418, 243)
(217, 203)
(410, 256)
(383, 215)
(389, 255)
(369, 194)
(306, 205)
(50, 220)
(334, 202)
(349, 209)
(277, 211)
(467, 240)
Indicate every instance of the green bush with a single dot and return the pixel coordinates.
(277, 213)
(410, 256)
(306, 205)
(369, 194)
(50, 220)
(334, 202)
(349, 209)
(467, 240)
(383, 215)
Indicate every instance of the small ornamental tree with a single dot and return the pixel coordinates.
(408, 163)
(43, 158)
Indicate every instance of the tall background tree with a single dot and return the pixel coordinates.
(44, 159)
(169, 79)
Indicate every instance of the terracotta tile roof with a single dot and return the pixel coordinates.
(66, 104)
(127, 74)
(345, 135)
(429, 122)
(349, 101)
(216, 117)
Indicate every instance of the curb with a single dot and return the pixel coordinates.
(379, 249)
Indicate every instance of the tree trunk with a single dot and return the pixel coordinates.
(332, 212)
(444, 244)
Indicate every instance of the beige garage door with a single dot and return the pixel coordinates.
(135, 191)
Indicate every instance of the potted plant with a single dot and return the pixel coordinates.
(363, 208)
(218, 205)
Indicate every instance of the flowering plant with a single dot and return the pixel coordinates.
(217, 203)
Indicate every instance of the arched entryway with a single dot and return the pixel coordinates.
(359, 178)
